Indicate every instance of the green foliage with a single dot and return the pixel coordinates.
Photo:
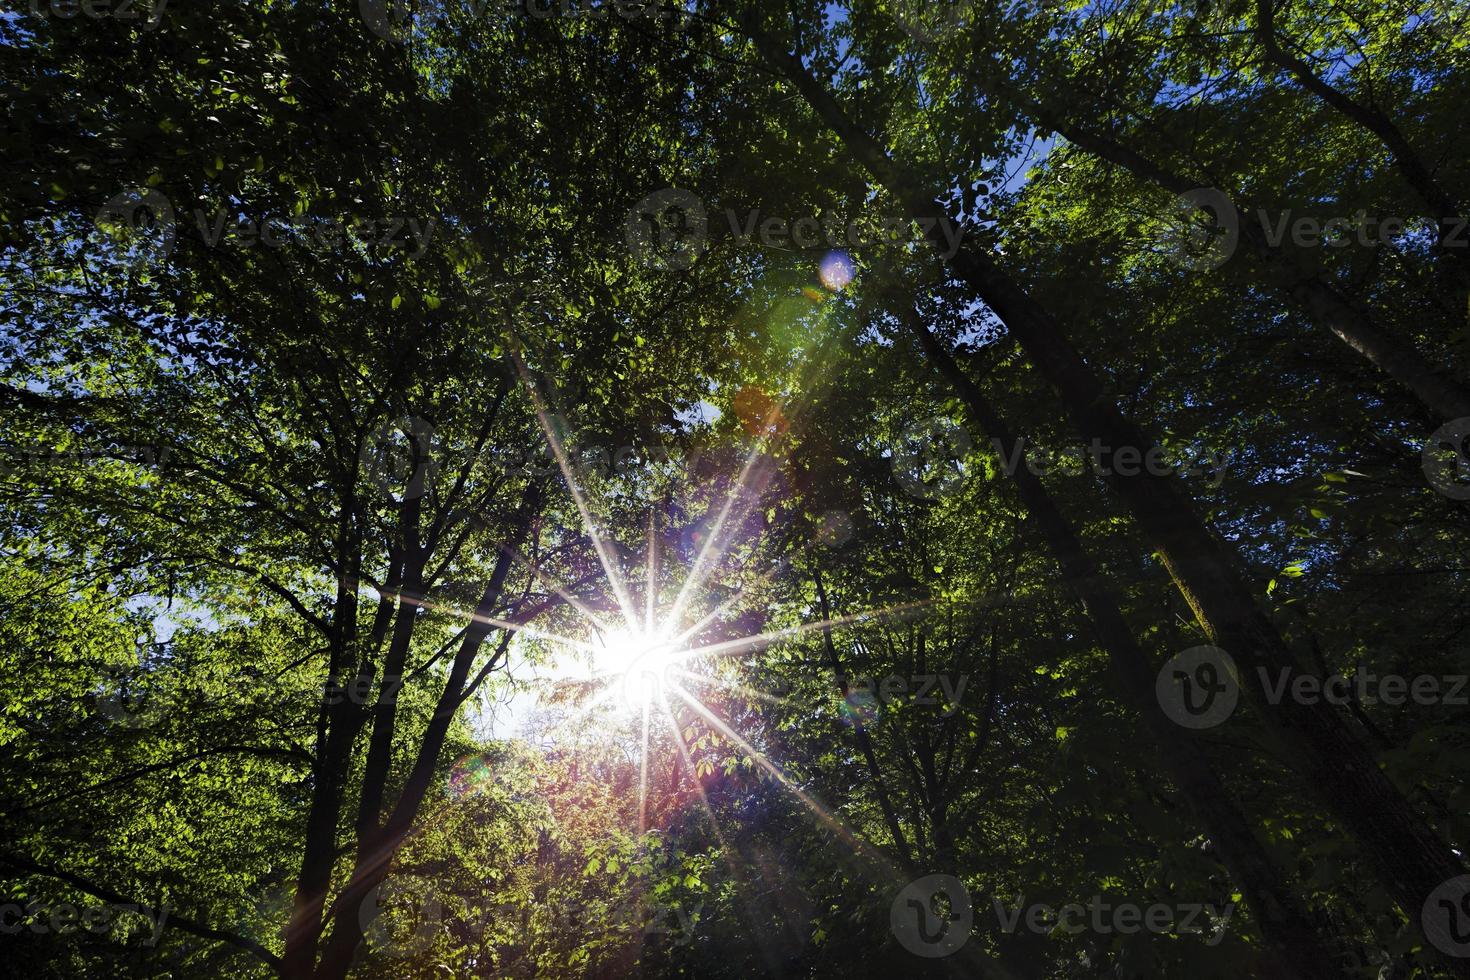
(394, 394)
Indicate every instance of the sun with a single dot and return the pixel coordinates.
(641, 660)
(649, 657)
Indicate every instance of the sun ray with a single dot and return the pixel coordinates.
(643, 774)
(760, 641)
(725, 606)
(779, 408)
(505, 624)
(698, 571)
(866, 857)
(586, 611)
(742, 885)
(728, 604)
(650, 580)
(609, 564)
(605, 694)
(728, 685)
(806, 799)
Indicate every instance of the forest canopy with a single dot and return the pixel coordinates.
(602, 488)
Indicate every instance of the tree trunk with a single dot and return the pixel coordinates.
(337, 729)
(375, 853)
(1410, 859)
(1297, 949)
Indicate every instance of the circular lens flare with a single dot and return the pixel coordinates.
(836, 270)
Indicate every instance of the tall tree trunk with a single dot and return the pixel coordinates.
(1297, 948)
(337, 729)
(385, 708)
(1409, 858)
(375, 854)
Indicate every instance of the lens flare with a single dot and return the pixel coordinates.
(836, 270)
(860, 708)
(470, 776)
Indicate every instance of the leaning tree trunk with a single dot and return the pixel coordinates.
(1296, 948)
(1411, 861)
